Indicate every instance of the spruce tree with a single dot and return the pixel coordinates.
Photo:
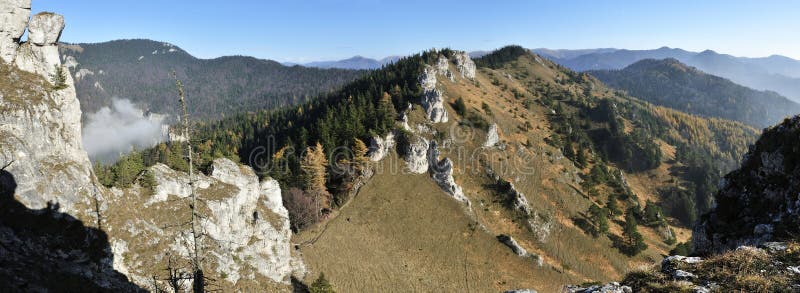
(634, 242)
(599, 219)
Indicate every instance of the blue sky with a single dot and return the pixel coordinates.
(301, 31)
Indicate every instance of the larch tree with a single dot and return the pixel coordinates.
(360, 154)
(314, 165)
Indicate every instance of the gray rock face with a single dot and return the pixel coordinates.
(443, 68)
(465, 65)
(14, 16)
(416, 155)
(521, 291)
(45, 28)
(40, 54)
(432, 99)
(40, 130)
(760, 202)
(442, 173)
(247, 228)
(492, 137)
(379, 147)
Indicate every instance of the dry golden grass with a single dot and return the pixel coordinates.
(416, 239)
(403, 234)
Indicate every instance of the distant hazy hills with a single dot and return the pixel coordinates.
(141, 71)
(777, 73)
(355, 62)
(670, 83)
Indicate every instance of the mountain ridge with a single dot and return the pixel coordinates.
(141, 70)
(780, 74)
(670, 83)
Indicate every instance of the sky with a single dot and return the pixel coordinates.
(313, 30)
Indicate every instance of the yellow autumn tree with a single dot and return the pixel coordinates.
(314, 165)
(360, 159)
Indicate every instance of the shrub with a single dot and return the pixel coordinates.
(321, 285)
(460, 107)
(302, 208)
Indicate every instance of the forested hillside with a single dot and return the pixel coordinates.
(614, 176)
(670, 83)
(774, 73)
(141, 71)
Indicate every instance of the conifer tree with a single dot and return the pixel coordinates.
(634, 241)
(612, 206)
(599, 219)
(59, 78)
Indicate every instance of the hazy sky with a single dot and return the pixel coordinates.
(301, 31)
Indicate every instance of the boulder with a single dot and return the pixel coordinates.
(511, 243)
(681, 275)
(774, 247)
(612, 287)
(40, 54)
(520, 291)
(45, 29)
(673, 263)
(14, 15)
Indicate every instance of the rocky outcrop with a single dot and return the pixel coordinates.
(464, 64)
(759, 202)
(744, 269)
(14, 16)
(492, 137)
(511, 243)
(432, 99)
(40, 54)
(612, 287)
(443, 68)
(247, 232)
(521, 291)
(40, 130)
(442, 173)
(415, 154)
(246, 242)
(379, 147)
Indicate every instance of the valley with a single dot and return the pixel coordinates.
(508, 170)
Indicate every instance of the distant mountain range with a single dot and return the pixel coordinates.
(776, 73)
(355, 62)
(141, 71)
(670, 83)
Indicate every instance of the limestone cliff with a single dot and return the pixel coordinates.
(246, 236)
(759, 202)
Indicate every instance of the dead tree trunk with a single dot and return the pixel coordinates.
(198, 284)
